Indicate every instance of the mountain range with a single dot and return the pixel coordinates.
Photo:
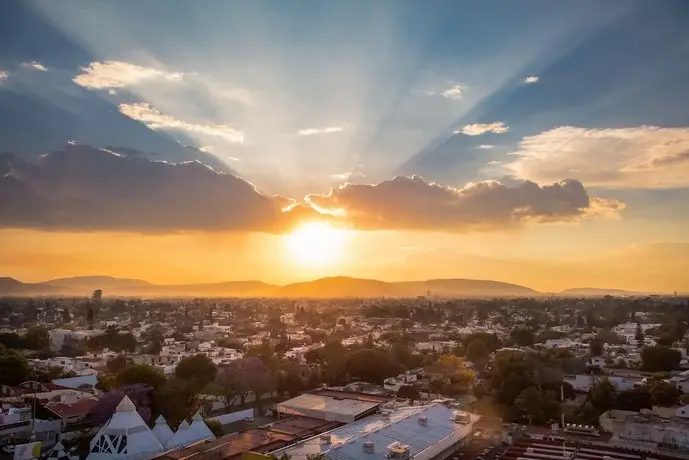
(324, 287)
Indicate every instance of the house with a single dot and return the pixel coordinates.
(72, 412)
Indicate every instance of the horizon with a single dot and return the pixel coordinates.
(90, 282)
(285, 142)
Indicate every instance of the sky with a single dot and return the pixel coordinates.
(536, 142)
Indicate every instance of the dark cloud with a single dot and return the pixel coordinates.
(413, 203)
(83, 188)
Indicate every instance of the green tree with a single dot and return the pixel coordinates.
(596, 346)
(408, 392)
(453, 374)
(198, 371)
(477, 352)
(14, 369)
(37, 338)
(664, 394)
(603, 395)
(368, 364)
(140, 373)
(215, 427)
(660, 358)
(634, 399)
(118, 363)
(530, 404)
(524, 337)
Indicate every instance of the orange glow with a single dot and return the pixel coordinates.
(316, 244)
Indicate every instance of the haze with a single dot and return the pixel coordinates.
(537, 143)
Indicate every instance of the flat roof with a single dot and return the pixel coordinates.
(403, 425)
(326, 407)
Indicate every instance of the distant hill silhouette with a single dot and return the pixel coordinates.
(339, 286)
(593, 292)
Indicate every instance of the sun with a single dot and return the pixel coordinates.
(316, 244)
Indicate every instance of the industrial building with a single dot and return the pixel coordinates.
(428, 432)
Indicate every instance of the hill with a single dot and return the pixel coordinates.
(599, 292)
(467, 288)
(340, 286)
(11, 286)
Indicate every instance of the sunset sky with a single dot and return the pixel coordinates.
(535, 142)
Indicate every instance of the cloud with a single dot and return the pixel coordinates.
(154, 119)
(413, 203)
(3, 76)
(485, 146)
(636, 157)
(532, 79)
(314, 131)
(497, 127)
(35, 65)
(455, 92)
(118, 74)
(81, 188)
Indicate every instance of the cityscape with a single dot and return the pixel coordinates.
(344, 230)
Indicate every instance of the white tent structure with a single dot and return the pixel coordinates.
(125, 437)
(162, 430)
(58, 452)
(200, 429)
(188, 434)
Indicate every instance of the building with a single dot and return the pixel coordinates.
(331, 406)
(646, 430)
(430, 432)
(190, 433)
(262, 439)
(126, 436)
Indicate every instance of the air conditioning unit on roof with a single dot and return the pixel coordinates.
(369, 447)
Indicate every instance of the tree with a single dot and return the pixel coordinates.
(530, 404)
(107, 404)
(118, 363)
(14, 369)
(175, 401)
(289, 382)
(11, 340)
(511, 373)
(368, 364)
(660, 358)
(491, 341)
(634, 399)
(408, 392)
(198, 371)
(453, 374)
(602, 395)
(140, 373)
(664, 394)
(216, 428)
(639, 336)
(596, 346)
(240, 377)
(37, 338)
(477, 352)
(524, 337)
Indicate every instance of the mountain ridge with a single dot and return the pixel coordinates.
(328, 287)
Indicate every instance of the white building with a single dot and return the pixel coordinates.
(420, 432)
(126, 436)
(646, 430)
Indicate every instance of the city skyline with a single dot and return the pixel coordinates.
(544, 145)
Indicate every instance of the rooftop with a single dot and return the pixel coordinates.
(339, 409)
(81, 407)
(421, 428)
